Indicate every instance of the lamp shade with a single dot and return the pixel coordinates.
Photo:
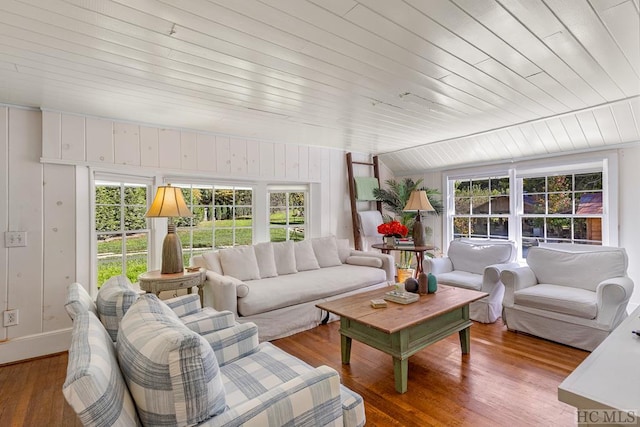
(418, 201)
(168, 203)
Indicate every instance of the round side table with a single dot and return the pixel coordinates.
(156, 282)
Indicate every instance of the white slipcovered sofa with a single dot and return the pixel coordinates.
(476, 264)
(165, 370)
(277, 285)
(569, 293)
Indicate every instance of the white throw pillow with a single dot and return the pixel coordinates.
(240, 262)
(212, 258)
(285, 257)
(326, 251)
(344, 251)
(266, 260)
(305, 257)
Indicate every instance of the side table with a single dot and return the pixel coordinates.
(419, 250)
(156, 282)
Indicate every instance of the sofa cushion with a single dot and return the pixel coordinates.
(344, 250)
(171, 371)
(266, 260)
(94, 386)
(473, 255)
(578, 266)
(212, 260)
(114, 299)
(366, 261)
(561, 299)
(78, 301)
(240, 262)
(326, 251)
(305, 257)
(461, 279)
(285, 257)
(283, 291)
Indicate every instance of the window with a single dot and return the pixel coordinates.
(122, 234)
(481, 207)
(222, 217)
(287, 215)
(563, 208)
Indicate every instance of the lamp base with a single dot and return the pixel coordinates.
(419, 233)
(172, 252)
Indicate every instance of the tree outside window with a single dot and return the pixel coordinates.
(481, 208)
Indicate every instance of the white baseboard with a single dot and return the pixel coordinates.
(35, 346)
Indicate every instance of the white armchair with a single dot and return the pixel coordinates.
(476, 264)
(568, 293)
(369, 222)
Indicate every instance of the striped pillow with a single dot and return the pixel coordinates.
(114, 299)
(94, 386)
(78, 301)
(172, 372)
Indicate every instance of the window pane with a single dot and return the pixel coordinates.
(296, 216)
(277, 216)
(223, 237)
(244, 236)
(243, 217)
(560, 183)
(558, 228)
(296, 199)
(296, 233)
(589, 181)
(534, 204)
(135, 196)
(278, 234)
(223, 197)
(107, 194)
(108, 267)
(533, 185)
(202, 238)
(499, 227)
(480, 186)
(134, 218)
(533, 227)
(244, 197)
(500, 186)
(480, 205)
(560, 203)
(462, 188)
(461, 226)
(589, 203)
(463, 205)
(137, 253)
(479, 227)
(107, 218)
(587, 229)
(277, 199)
(500, 205)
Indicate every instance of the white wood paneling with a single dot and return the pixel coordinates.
(253, 158)
(292, 162)
(223, 155)
(25, 264)
(206, 148)
(59, 243)
(127, 144)
(315, 164)
(51, 144)
(169, 149)
(279, 161)
(188, 151)
(100, 140)
(238, 156)
(267, 159)
(149, 151)
(4, 211)
(72, 137)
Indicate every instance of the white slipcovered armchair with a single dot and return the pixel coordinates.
(476, 264)
(569, 293)
(369, 222)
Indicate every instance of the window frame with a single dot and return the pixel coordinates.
(607, 162)
(287, 189)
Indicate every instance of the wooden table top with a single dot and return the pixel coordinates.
(382, 246)
(396, 317)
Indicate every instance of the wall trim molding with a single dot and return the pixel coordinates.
(31, 346)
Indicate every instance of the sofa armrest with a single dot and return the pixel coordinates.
(612, 296)
(388, 263)
(514, 280)
(491, 282)
(209, 320)
(184, 305)
(437, 266)
(315, 395)
(233, 343)
(220, 292)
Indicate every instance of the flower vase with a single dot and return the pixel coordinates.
(404, 274)
(390, 241)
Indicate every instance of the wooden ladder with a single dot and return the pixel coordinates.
(352, 196)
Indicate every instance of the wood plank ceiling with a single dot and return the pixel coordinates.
(425, 83)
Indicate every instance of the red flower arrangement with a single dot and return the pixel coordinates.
(393, 228)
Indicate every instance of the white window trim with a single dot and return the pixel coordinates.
(607, 160)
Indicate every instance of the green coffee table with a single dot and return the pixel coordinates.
(403, 330)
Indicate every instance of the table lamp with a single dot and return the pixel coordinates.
(169, 203)
(418, 201)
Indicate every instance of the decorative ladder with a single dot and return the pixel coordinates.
(352, 196)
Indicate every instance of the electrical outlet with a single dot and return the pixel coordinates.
(11, 317)
(14, 239)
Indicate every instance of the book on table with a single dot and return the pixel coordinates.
(401, 297)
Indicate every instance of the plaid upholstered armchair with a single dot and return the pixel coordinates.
(163, 372)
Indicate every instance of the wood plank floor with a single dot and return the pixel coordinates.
(508, 379)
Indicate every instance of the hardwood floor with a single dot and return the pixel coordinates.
(508, 379)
